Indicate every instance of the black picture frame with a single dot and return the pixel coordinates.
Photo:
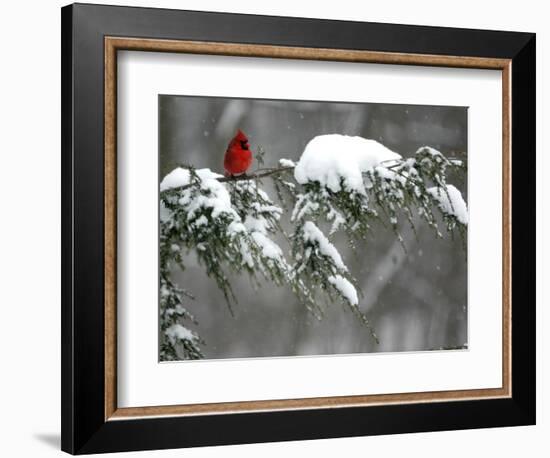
(84, 427)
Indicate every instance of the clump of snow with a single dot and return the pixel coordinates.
(201, 221)
(286, 163)
(335, 159)
(269, 248)
(176, 178)
(253, 224)
(450, 202)
(312, 234)
(214, 195)
(179, 332)
(345, 288)
(246, 255)
(258, 229)
(182, 177)
(235, 227)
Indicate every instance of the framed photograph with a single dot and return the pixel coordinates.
(281, 228)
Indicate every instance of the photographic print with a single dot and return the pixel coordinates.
(295, 228)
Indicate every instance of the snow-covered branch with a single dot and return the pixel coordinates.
(261, 173)
(340, 184)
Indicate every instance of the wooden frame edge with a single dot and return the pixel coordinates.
(111, 46)
(110, 201)
(334, 402)
(507, 228)
(291, 52)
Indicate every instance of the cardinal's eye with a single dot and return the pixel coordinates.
(244, 144)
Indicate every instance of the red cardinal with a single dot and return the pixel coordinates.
(238, 156)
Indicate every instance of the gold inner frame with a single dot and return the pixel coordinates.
(112, 45)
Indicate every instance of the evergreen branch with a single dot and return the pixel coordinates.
(265, 172)
(230, 228)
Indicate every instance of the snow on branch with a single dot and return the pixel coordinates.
(340, 184)
(338, 162)
(177, 182)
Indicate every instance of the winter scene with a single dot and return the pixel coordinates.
(300, 228)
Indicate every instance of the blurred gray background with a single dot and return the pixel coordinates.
(415, 300)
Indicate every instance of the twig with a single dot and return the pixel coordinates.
(243, 177)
